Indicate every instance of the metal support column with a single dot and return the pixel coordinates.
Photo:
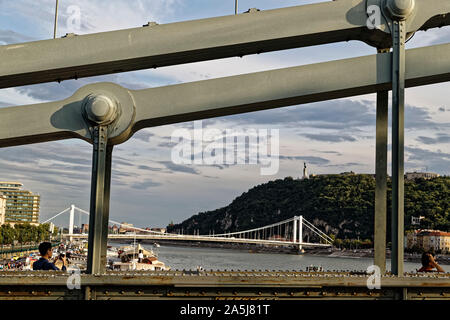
(398, 128)
(71, 218)
(300, 232)
(294, 231)
(381, 177)
(56, 20)
(99, 208)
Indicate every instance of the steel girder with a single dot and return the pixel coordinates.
(215, 284)
(218, 97)
(154, 46)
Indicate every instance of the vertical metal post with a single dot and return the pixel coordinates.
(381, 177)
(71, 218)
(99, 208)
(236, 7)
(295, 230)
(56, 20)
(300, 232)
(398, 132)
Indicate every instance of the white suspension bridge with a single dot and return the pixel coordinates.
(288, 232)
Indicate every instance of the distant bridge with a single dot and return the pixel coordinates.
(284, 233)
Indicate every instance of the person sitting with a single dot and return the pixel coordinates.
(428, 263)
(45, 249)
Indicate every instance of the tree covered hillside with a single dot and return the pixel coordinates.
(342, 205)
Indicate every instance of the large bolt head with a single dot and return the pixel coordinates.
(100, 109)
(400, 9)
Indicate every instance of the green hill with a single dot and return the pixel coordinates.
(342, 205)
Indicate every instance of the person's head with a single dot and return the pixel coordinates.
(45, 249)
(426, 259)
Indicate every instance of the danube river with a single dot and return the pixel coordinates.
(220, 259)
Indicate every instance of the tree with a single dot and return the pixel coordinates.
(343, 204)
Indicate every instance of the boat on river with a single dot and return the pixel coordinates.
(137, 258)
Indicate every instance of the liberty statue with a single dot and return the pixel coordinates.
(305, 172)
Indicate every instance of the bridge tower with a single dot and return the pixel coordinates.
(71, 218)
(300, 233)
(298, 230)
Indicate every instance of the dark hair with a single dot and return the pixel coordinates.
(44, 247)
(426, 258)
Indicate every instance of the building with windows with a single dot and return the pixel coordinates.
(420, 175)
(2, 208)
(435, 240)
(126, 227)
(21, 205)
(85, 228)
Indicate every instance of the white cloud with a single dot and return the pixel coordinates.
(12, 96)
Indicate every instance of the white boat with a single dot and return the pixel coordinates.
(137, 258)
(134, 265)
(112, 252)
(312, 268)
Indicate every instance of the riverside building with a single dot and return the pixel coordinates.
(2, 208)
(21, 205)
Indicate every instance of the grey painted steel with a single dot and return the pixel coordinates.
(99, 208)
(56, 20)
(215, 284)
(398, 141)
(206, 39)
(65, 119)
(381, 179)
(219, 97)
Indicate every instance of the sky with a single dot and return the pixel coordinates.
(148, 189)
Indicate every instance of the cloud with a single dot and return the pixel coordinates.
(336, 114)
(440, 138)
(436, 161)
(167, 144)
(144, 167)
(145, 185)
(329, 137)
(11, 37)
(328, 152)
(345, 165)
(143, 135)
(420, 118)
(95, 16)
(309, 159)
(179, 168)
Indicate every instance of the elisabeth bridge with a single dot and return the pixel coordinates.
(284, 233)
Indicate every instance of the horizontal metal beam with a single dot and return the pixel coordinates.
(256, 278)
(285, 87)
(206, 39)
(215, 284)
(223, 96)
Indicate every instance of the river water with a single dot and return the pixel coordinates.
(189, 258)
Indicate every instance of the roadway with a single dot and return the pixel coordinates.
(177, 237)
